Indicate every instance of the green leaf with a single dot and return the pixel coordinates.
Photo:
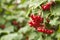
(54, 21)
(58, 35)
(32, 35)
(24, 29)
(57, 0)
(36, 3)
(18, 37)
(9, 37)
(48, 38)
(2, 20)
(59, 29)
(56, 9)
(22, 1)
(46, 14)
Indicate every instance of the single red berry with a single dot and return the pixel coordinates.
(31, 23)
(44, 30)
(39, 29)
(2, 26)
(49, 31)
(32, 17)
(14, 22)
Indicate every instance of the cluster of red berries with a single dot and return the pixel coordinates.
(36, 20)
(2, 26)
(37, 23)
(39, 29)
(47, 6)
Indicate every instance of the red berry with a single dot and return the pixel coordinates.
(32, 17)
(39, 29)
(14, 22)
(49, 31)
(45, 30)
(30, 23)
(2, 26)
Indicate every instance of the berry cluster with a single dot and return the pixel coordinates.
(37, 23)
(47, 5)
(39, 29)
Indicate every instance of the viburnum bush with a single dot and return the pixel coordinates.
(29, 19)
